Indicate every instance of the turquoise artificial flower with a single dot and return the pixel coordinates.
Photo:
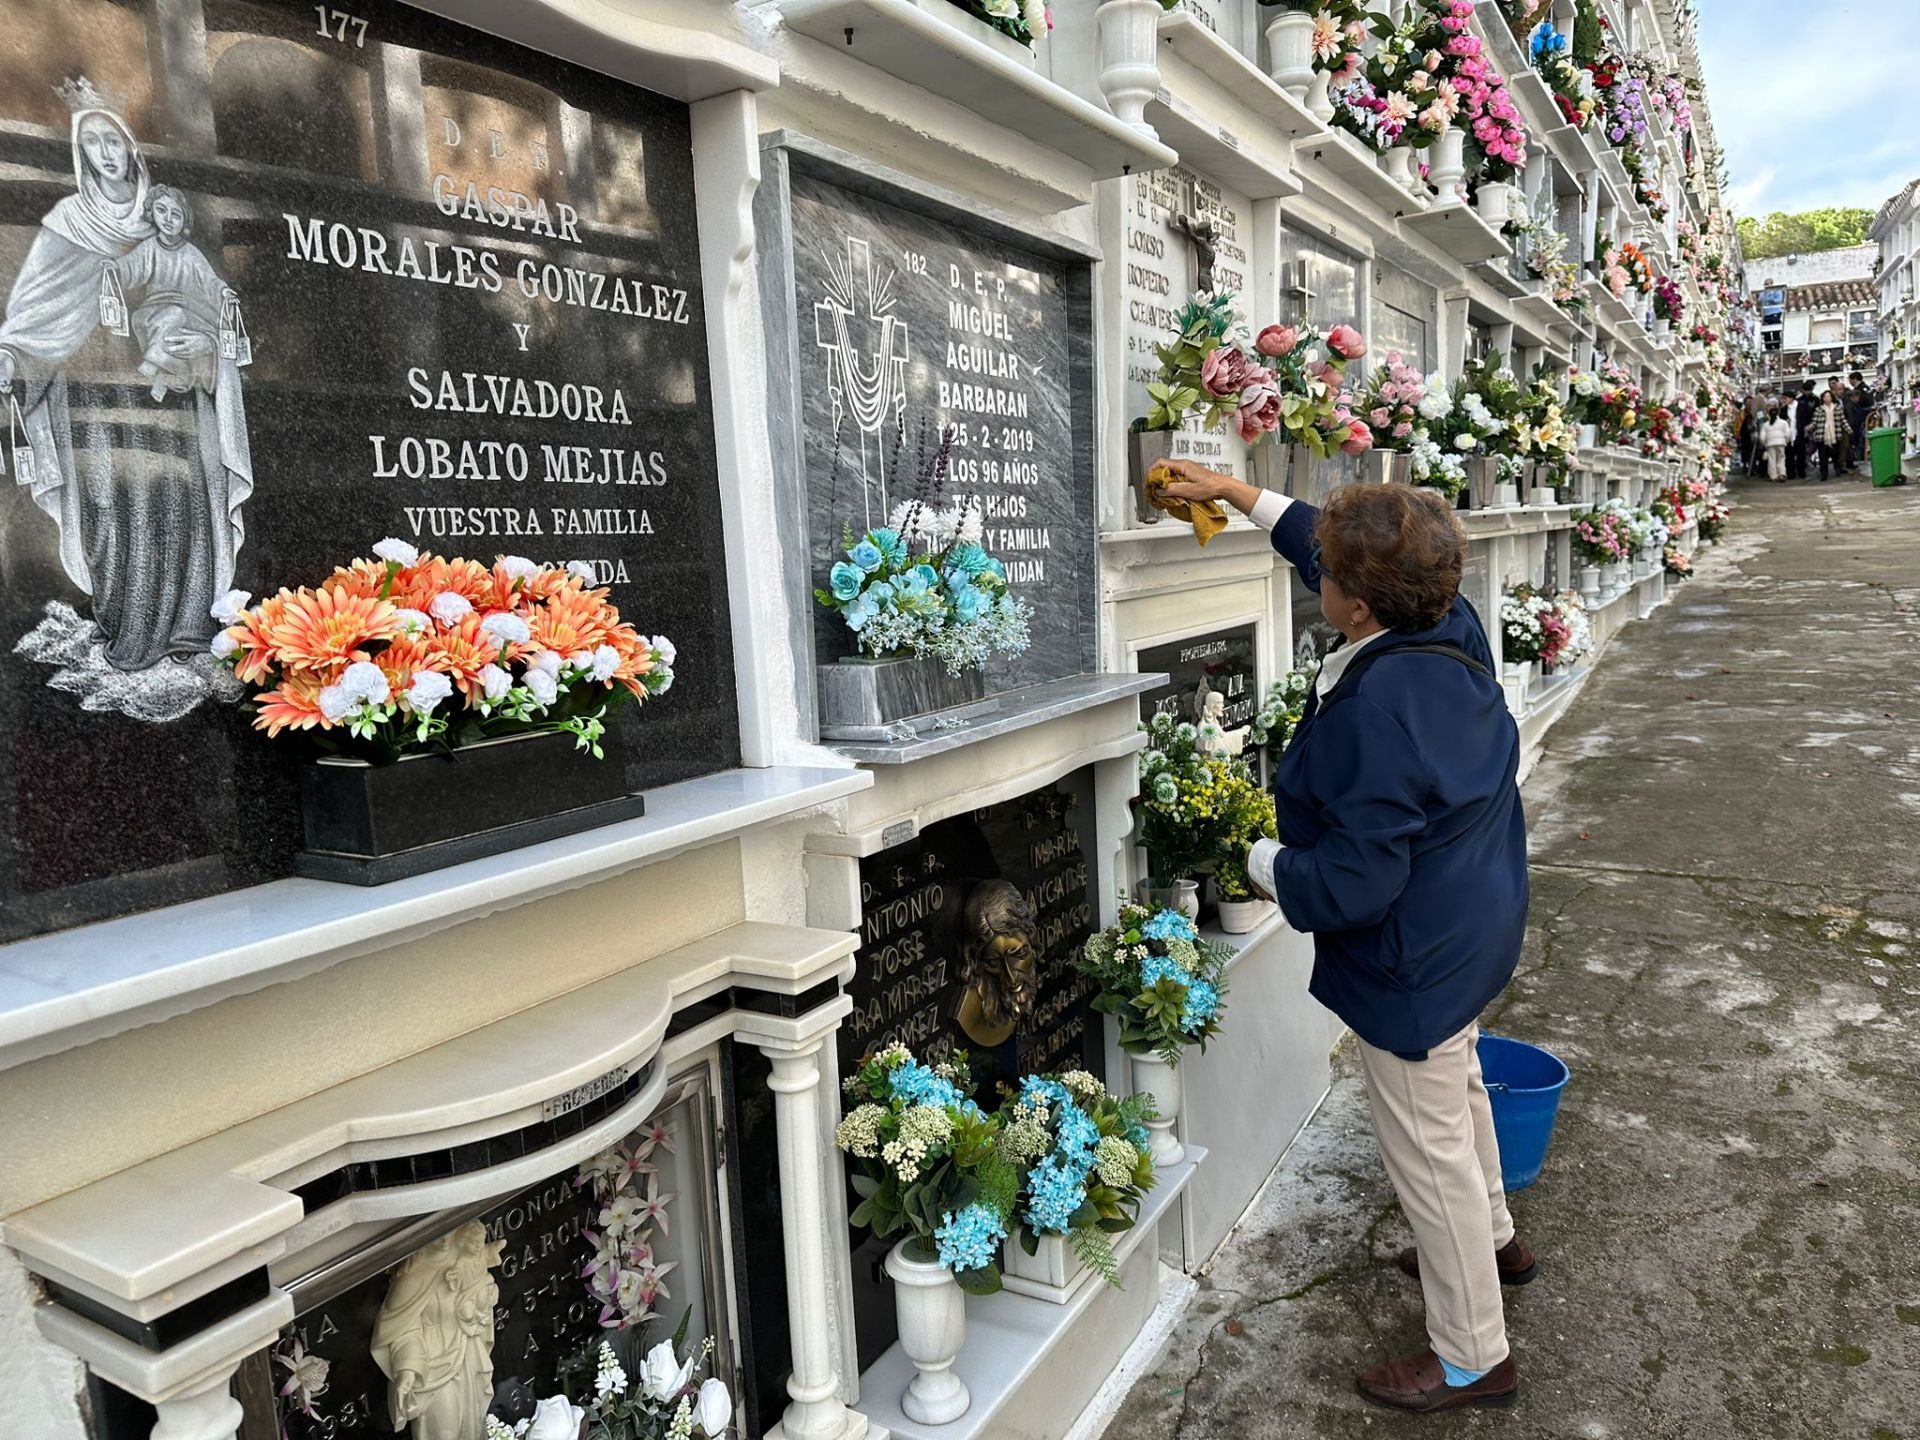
(928, 575)
(971, 1239)
(1054, 1194)
(860, 612)
(967, 603)
(969, 558)
(867, 556)
(846, 580)
(912, 586)
(889, 544)
(996, 569)
(1170, 925)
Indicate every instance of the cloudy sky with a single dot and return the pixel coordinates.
(1808, 98)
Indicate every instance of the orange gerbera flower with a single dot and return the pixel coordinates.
(321, 629)
(570, 620)
(400, 659)
(362, 577)
(461, 654)
(256, 657)
(295, 705)
(636, 659)
(435, 575)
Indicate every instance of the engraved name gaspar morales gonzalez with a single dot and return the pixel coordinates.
(120, 355)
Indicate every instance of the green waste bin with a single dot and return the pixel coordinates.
(1883, 448)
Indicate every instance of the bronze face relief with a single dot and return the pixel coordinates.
(1000, 963)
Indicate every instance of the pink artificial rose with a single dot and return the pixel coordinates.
(1346, 342)
(1226, 371)
(1277, 340)
(1259, 412)
(1359, 439)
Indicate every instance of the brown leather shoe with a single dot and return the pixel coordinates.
(1513, 1259)
(1418, 1384)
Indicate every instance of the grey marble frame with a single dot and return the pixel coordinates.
(783, 153)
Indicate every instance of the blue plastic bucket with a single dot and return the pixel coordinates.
(1523, 1084)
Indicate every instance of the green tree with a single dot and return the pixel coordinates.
(1803, 233)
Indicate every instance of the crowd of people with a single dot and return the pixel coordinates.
(1786, 435)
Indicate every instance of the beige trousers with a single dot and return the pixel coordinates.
(1436, 1133)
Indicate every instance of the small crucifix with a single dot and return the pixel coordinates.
(1204, 233)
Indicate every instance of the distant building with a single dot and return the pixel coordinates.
(1896, 237)
(1819, 315)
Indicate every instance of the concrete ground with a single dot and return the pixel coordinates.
(1725, 948)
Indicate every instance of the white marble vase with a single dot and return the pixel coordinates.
(1162, 1081)
(1448, 170)
(1495, 202)
(1290, 52)
(932, 1314)
(1129, 58)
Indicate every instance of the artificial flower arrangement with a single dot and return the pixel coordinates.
(1187, 797)
(1083, 1164)
(1646, 531)
(1571, 84)
(1161, 981)
(1659, 430)
(411, 651)
(930, 1164)
(1542, 434)
(1496, 135)
(1669, 300)
(1632, 259)
(1249, 816)
(1022, 20)
(1287, 382)
(1374, 96)
(1280, 713)
(1676, 562)
(925, 587)
(1601, 536)
(1607, 399)
(672, 1401)
(1545, 247)
(1391, 403)
(1713, 521)
(623, 1274)
(1531, 627)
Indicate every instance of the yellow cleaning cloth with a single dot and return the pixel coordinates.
(1206, 516)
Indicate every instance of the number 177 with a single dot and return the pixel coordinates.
(334, 25)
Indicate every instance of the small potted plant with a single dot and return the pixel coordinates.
(454, 708)
(1178, 815)
(1084, 1169)
(930, 1170)
(1248, 815)
(1165, 986)
(927, 607)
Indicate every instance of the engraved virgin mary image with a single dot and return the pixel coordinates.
(120, 354)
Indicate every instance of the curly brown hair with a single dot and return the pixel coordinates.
(1397, 547)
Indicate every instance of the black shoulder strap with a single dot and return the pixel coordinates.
(1361, 662)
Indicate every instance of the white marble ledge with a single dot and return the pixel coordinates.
(1271, 926)
(65, 989)
(903, 39)
(1009, 1336)
(1169, 529)
(1198, 45)
(1033, 705)
(156, 1226)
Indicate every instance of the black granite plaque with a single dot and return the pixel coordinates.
(908, 984)
(927, 346)
(546, 1323)
(1221, 662)
(409, 280)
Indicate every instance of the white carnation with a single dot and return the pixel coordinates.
(364, 682)
(506, 628)
(518, 567)
(547, 663)
(429, 688)
(664, 647)
(227, 609)
(413, 622)
(542, 687)
(450, 607)
(606, 660)
(396, 552)
(582, 569)
(223, 645)
(495, 681)
(334, 703)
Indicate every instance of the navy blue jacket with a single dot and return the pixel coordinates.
(1406, 847)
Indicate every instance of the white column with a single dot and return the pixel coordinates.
(210, 1413)
(816, 1411)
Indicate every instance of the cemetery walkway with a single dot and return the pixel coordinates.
(1725, 947)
